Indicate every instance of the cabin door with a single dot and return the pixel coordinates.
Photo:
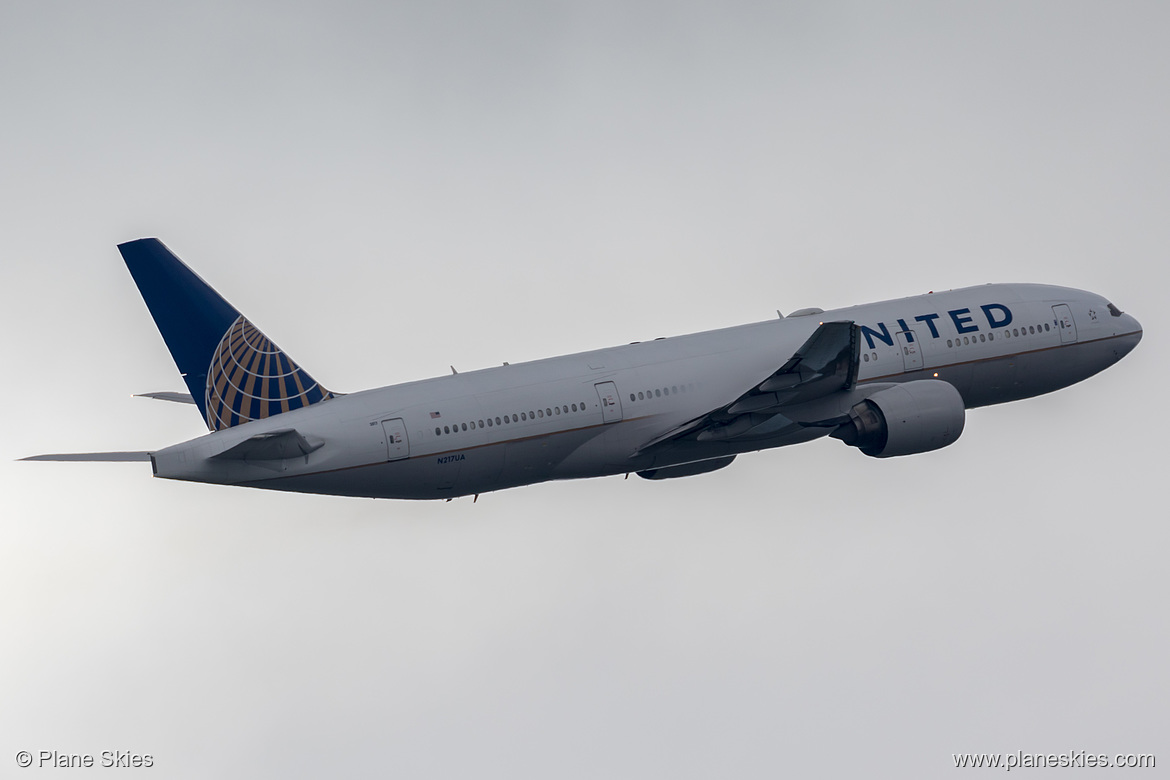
(1065, 324)
(397, 445)
(611, 404)
(911, 354)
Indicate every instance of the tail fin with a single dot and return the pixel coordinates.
(235, 373)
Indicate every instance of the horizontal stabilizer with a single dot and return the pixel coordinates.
(112, 457)
(179, 398)
(274, 445)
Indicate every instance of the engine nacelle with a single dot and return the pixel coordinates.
(905, 419)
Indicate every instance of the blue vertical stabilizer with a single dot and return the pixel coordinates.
(234, 372)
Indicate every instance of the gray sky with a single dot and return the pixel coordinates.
(387, 189)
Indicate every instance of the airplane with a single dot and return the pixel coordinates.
(890, 379)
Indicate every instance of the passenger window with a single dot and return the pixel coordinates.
(523, 416)
(548, 412)
(497, 421)
(515, 418)
(631, 396)
(574, 407)
(464, 426)
(446, 429)
(657, 393)
(438, 431)
(481, 423)
(640, 396)
(949, 343)
(558, 409)
(674, 389)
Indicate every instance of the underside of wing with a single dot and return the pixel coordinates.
(826, 363)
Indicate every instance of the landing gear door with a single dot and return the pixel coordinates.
(611, 404)
(397, 445)
(1065, 323)
(911, 353)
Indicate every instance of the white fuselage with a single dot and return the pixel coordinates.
(588, 414)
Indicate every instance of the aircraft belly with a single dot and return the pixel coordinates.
(596, 452)
(992, 379)
(452, 474)
(1028, 374)
(479, 469)
(530, 460)
(410, 478)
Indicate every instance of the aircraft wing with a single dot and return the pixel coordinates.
(825, 364)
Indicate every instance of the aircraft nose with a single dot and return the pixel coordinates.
(1130, 332)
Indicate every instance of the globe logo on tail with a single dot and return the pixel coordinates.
(250, 378)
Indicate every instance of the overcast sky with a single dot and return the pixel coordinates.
(388, 189)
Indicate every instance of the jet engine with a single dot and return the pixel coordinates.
(905, 419)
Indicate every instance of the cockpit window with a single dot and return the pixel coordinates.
(1116, 312)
